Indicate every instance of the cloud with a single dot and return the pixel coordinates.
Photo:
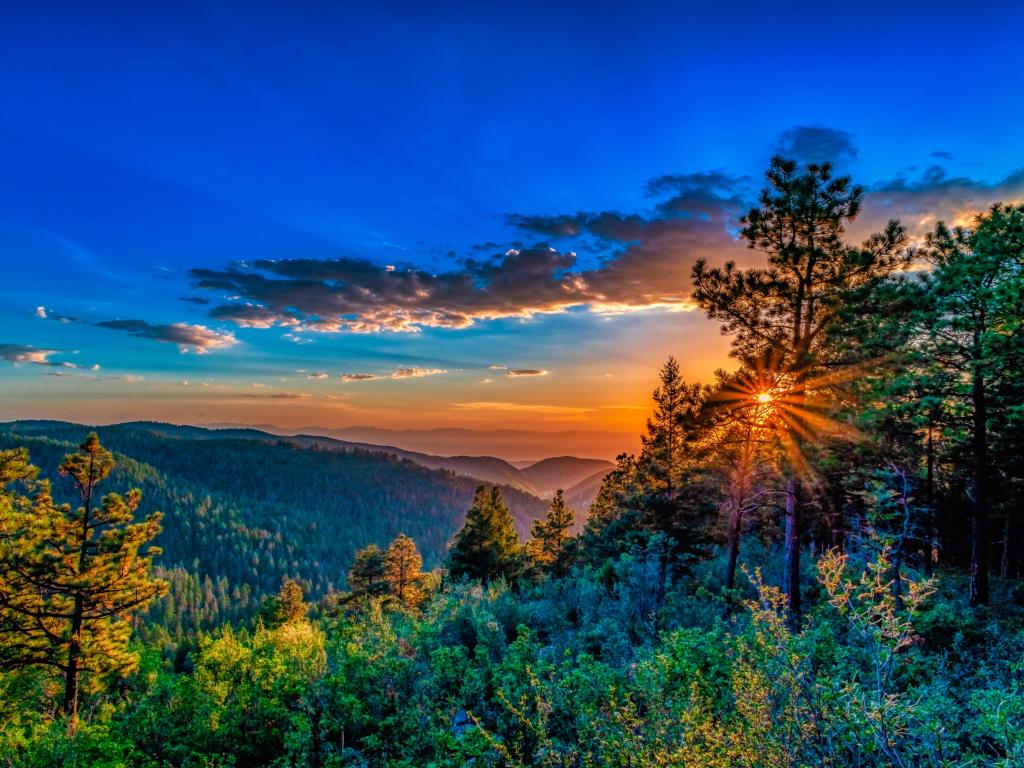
(129, 378)
(606, 261)
(194, 299)
(645, 261)
(398, 373)
(563, 225)
(196, 338)
(26, 353)
(278, 395)
(416, 373)
(817, 144)
(558, 410)
(49, 314)
(526, 372)
(934, 195)
(249, 316)
(317, 375)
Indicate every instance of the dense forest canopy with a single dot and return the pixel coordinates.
(815, 559)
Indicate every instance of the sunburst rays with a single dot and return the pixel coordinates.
(791, 409)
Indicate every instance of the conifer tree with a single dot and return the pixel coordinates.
(487, 546)
(292, 606)
(972, 315)
(403, 570)
(667, 462)
(614, 522)
(550, 545)
(366, 576)
(71, 577)
(786, 311)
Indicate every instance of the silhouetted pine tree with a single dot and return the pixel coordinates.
(786, 311)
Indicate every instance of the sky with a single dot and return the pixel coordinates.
(429, 215)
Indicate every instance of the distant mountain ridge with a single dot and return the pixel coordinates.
(517, 446)
(541, 478)
(563, 472)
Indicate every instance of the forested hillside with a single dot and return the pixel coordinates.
(243, 511)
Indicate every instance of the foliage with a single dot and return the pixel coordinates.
(70, 577)
(487, 547)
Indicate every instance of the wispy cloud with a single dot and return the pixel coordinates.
(526, 372)
(555, 410)
(416, 373)
(26, 353)
(398, 373)
(277, 395)
(196, 338)
(47, 314)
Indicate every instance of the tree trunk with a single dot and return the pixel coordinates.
(71, 674)
(791, 570)
(897, 575)
(979, 511)
(928, 550)
(1004, 560)
(735, 525)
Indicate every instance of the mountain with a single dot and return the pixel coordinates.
(488, 469)
(513, 445)
(564, 472)
(580, 496)
(244, 509)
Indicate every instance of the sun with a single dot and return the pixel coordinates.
(764, 397)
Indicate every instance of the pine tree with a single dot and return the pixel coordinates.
(667, 465)
(71, 577)
(785, 312)
(614, 521)
(366, 576)
(736, 446)
(664, 446)
(487, 547)
(972, 316)
(292, 606)
(403, 571)
(550, 545)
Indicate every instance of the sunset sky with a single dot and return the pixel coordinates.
(443, 214)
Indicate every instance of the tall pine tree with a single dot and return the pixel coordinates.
(550, 544)
(972, 316)
(70, 577)
(487, 546)
(785, 311)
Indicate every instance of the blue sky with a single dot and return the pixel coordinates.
(276, 162)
